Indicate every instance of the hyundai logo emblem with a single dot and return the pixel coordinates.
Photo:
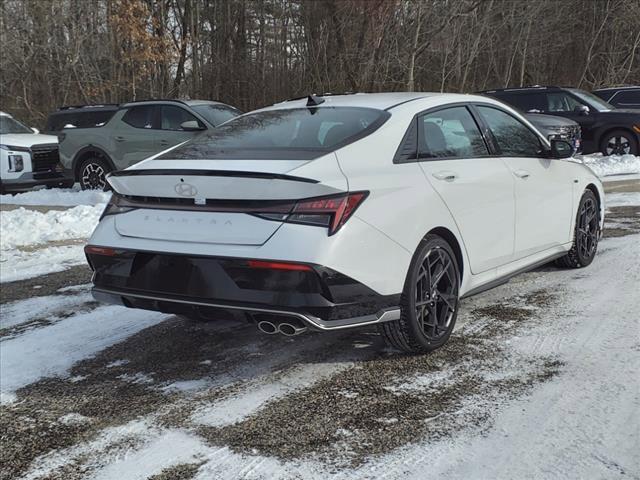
(186, 190)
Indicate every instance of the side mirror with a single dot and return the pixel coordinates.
(190, 125)
(561, 149)
(582, 110)
(35, 130)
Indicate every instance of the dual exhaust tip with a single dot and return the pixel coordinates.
(285, 328)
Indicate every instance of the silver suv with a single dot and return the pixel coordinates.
(136, 131)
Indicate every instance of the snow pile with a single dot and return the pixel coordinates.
(611, 165)
(19, 265)
(62, 197)
(28, 227)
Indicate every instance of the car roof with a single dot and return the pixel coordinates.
(161, 101)
(525, 89)
(3, 114)
(612, 89)
(85, 108)
(381, 101)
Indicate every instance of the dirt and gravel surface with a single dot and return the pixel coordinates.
(181, 399)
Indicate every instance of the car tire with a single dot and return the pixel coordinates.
(586, 234)
(429, 301)
(92, 174)
(619, 142)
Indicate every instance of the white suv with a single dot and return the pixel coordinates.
(336, 212)
(28, 158)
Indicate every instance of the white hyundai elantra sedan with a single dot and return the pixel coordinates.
(336, 212)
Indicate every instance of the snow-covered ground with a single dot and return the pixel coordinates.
(540, 380)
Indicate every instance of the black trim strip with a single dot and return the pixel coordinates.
(211, 173)
(402, 103)
(502, 280)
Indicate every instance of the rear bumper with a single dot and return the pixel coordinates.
(197, 285)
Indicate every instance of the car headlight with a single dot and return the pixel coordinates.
(16, 163)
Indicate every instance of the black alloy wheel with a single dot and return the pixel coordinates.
(429, 304)
(586, 234)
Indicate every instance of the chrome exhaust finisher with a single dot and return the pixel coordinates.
(291, 330)
(267, 327)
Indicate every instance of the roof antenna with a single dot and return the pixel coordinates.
(314, 101)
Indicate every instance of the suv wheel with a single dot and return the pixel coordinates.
(93, 173)
(618, 142)
(429, 304)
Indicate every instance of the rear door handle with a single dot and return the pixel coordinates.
(446, 175)
(522, 174)
(120, 139)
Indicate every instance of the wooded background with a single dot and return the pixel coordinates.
(250, 53)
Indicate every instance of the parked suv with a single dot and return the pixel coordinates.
(79, 116)
(136, 131)
(620, 97)
(604, 128)
(557, 128)
(28, 158)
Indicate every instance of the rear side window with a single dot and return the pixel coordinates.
(513, 137)
(561, 102)
(627, 97)
(79, 119)
(173, 117)
(302, 133)
(141, 117)
(449, 133)
(527, 102)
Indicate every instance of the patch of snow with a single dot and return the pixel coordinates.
(53, 350)
(73, 419)
(137, 378)
(622, 199)
(46, 465)
(117, 363)
(76, 288)
(236, 407)
(59, 197)
(22, 227)
(611, 165)
(186, 386)
(172, 447)
(19, 265)
(17, 313)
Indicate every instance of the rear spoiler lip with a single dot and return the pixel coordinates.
(210, 173)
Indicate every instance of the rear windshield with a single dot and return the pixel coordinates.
(301, 133)
(216, 114)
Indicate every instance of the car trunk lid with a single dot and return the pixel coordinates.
(220, 202)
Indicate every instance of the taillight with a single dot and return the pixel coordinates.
(104, 251)
(330, 211)
(268, 265)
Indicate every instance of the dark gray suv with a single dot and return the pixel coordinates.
(136, 131)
